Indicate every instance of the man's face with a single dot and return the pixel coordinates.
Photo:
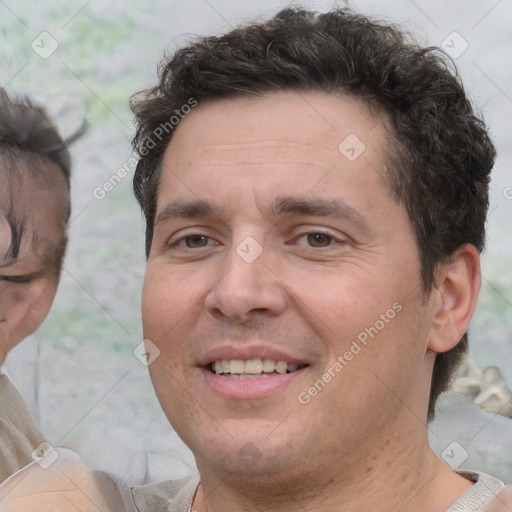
(278, 248)
(28, 282)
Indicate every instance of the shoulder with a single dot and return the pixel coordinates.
(502, 501)
(59, 481)
(175, 495)
(485, 495)
(18, 431)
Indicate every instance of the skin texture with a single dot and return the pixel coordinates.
(308, 296)
(28, 283)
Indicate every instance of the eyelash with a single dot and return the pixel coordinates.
(182, 240)
(16, 279)
(332, 239)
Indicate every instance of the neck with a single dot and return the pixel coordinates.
(398, 473)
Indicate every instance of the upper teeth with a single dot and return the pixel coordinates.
(252, 366)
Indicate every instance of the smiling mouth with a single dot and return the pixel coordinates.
(252, 368)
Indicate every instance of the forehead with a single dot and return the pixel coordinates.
(298, 117)
(34, 206)
(279, 137)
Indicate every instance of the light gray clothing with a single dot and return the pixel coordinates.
(19, 435)
(478, 498)
(178, 495)
(171, 495)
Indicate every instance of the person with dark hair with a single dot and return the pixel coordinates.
(315, 189)
(34, 212)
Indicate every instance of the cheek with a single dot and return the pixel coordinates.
(26, 307)
(159, 301)
(169, 301)
(367, 319)
(338, 303)
(38, 300)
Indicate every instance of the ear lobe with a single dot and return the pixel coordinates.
(454, 298)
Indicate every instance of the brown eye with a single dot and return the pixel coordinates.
(195, 241)
(319, 240)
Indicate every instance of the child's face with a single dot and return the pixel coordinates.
(28, 281)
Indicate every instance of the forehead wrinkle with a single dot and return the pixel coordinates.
(271, 151)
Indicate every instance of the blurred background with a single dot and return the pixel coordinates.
(83, 59)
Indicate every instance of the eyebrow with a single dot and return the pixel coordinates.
(284, 205)
(185, 210)
(51, 262)
(317, 207)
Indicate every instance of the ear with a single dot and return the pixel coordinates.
(457, 284)
(23, 308)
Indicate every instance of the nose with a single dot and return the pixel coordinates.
(249, 287)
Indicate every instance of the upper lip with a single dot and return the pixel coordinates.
(246, 353)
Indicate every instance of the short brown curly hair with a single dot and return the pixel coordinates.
(442, 157)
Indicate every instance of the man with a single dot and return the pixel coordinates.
(34, 212)
(314, 224)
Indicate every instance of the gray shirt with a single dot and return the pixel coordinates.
(178, 495)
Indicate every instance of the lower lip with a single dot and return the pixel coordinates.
(249, 389)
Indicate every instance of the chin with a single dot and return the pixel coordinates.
(246, 454)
